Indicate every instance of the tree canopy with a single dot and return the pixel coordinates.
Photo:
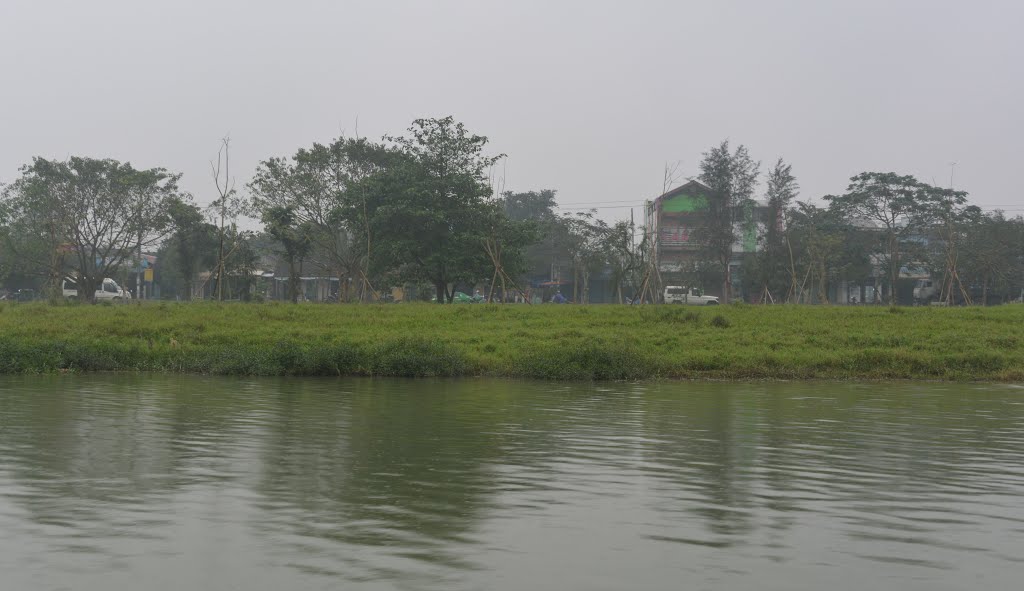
(91, 215)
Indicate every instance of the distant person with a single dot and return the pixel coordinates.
(558, 299)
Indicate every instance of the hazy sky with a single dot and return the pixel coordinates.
(589, 98)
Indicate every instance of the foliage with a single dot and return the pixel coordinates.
(504, 241)
(439, 188)
(547, 249)
(325, 188)
(191, 247)
(548, 342)
(993, 255)
(773, 261)
(584, 237)
(280, 223)
(732, 178)
(91, 215)
(897, 205)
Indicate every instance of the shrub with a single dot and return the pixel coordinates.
(585, 360)
(720, 321)
(414, 356)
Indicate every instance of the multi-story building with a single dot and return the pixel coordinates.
(676, 220)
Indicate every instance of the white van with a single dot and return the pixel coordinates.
(109, 291)
(675, 294)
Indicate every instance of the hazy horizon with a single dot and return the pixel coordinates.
(591, 99)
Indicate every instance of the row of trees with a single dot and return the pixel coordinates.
(883, 225)
(421, 209)
(886, 224)
(411, 209)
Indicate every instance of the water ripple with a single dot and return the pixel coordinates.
(191, 482)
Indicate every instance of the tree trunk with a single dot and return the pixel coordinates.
(894, 272)
(441, 292)
(87, 289)
(822, 284)
(55, 281)
(220, 263)
(293, 281)
(343, 295)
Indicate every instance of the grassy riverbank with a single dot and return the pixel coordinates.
(547, 342)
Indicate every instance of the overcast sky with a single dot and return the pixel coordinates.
(590, 98)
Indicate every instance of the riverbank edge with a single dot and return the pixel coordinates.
(616, 343)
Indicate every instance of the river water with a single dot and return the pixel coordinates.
(115, 482)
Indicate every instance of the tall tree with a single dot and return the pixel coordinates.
(897, 205)
(948, 218)
(429, 212)
(537, 208)
(625, 257)
(732, 178)
(7, 259)
(584, 237)
(782, 188)
(225, 210)
(326, 189)
(281, 223)
(994, 251)
(91, 215)
(504, 241)
(816, 237)
(192, 245)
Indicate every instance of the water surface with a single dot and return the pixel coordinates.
(128, 482)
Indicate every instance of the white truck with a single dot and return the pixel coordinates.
(925, 291)
(108, 291)
(675, 294)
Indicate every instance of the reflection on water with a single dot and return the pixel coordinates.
(128, 482)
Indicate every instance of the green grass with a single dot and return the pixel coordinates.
(547, 342)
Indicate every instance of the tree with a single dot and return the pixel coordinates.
(192, 245)
(225, 209)
(7, 259)
(816, 237)
(897, 204)
(782, 188)
(281, 224)
(584, 238)
(948, 217)
(504, 242)
(732, 178)
(89, 214)
(430, 207)
(993, 247)
(625, 257)
(537, 208)
(326, 189)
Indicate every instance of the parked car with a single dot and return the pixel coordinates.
(675, 294)
(465, 298)
(108, 291)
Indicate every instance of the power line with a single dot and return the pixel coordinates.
(582, 207)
